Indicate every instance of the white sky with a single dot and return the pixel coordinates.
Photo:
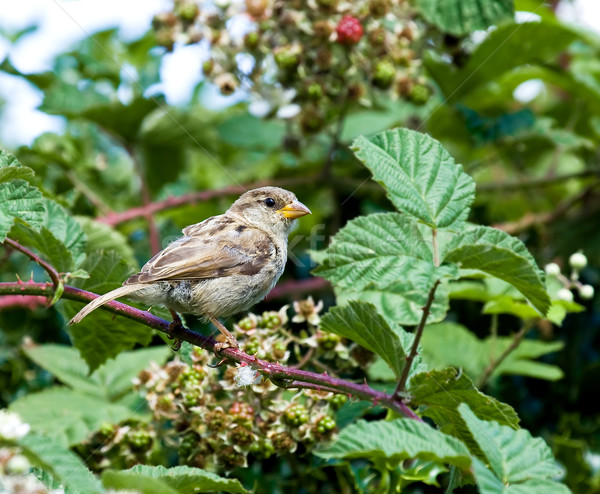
(63, 23)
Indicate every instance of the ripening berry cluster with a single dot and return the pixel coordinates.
(215, 424)
(305, 60)
(119, 446)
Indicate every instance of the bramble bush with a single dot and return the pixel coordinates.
(389, 270)
(409, 347)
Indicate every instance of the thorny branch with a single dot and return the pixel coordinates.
(52, 272)
(284, 376)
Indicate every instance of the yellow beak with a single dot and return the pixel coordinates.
(294, 209)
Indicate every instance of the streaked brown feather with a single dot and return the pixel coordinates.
(217, 247)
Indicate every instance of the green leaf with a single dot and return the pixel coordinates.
(71, 100)
(20, 200)
(102, 237)
(378, 248)
(395, 441)
(449, 343)
(442, 391)
(11, 169)
(519, 463)
(101, 335)
(175, 480)
(360, 322)
(174, 128)
(68, 416)
(401, 302)
(109, 382)
(498, 254)
(62, 464)
(508, 47)
(419, 175)
(462, 17)
(60, 240)
(249, 132)
(122, 120)
(44, 242)
(508, 305)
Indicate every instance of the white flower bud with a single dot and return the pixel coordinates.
(578, 261)
(18, 465)
(565, 294)
(586, 292)
(11, 426)
(552, 269)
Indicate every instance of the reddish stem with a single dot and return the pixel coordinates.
(194, 197)
(293, 287)
(53, 273)
(275, 372)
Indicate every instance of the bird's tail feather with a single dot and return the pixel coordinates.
(104, 299)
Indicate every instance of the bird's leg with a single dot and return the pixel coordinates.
(231, 341)
(174, 324)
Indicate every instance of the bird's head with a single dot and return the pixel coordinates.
(270, 208)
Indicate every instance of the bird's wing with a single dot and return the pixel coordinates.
(210, 252)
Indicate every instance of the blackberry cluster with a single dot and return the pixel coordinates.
(218, 425)
(306, 61)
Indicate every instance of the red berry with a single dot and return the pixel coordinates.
(349, 31)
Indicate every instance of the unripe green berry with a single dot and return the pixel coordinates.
(251, 40)
(586, 292)
(296, 415)
(287, 57)
(552, 269)
(252, 347)
(106, 430)
(247, 324)
(338, 400)
(325, 424)
(578, 261)
(384, 74)
(327, 341)
(315, 91)
(207, 67)
(187, 11)
(139, 439)
(279, 349)
(262, 449)
(565, 294)
(419, 94)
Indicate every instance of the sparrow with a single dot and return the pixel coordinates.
(221, 266)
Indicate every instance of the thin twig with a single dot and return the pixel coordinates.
(53, 273)
(146, 200)
(194, 197)
(295, 287)
(304, 360)
(335, 138)
(418, 334)
(535, 182)
(495, 363)
(270, 370)
(532, 219)
(88, 193)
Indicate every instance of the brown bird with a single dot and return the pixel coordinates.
(222, 265)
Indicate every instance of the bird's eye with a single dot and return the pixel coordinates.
(270, 202)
